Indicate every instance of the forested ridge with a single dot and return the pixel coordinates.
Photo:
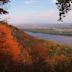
(20, 52)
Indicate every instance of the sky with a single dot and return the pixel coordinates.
(34, 12)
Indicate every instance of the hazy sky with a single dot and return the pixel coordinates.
(34, 11)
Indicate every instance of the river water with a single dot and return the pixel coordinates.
(58, 38)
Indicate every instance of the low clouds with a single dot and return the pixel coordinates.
(31, 1)
(53, 1)
(36, 1)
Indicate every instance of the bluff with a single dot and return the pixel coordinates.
(20, 52)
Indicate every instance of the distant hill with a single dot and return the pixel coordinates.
(20, 52)
(43, 26)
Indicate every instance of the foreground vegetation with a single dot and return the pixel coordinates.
(20, 52)
(65, 32)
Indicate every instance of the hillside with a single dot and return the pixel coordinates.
(20, 52)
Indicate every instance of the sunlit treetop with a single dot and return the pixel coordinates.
(64, 6)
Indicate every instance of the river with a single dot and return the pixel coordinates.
(58, 38)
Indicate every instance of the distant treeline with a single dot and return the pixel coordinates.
(51, 31)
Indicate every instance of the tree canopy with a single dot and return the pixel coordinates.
(2, 10)
(64, 7)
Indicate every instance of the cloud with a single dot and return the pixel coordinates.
(53, 1)
(31, 1)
